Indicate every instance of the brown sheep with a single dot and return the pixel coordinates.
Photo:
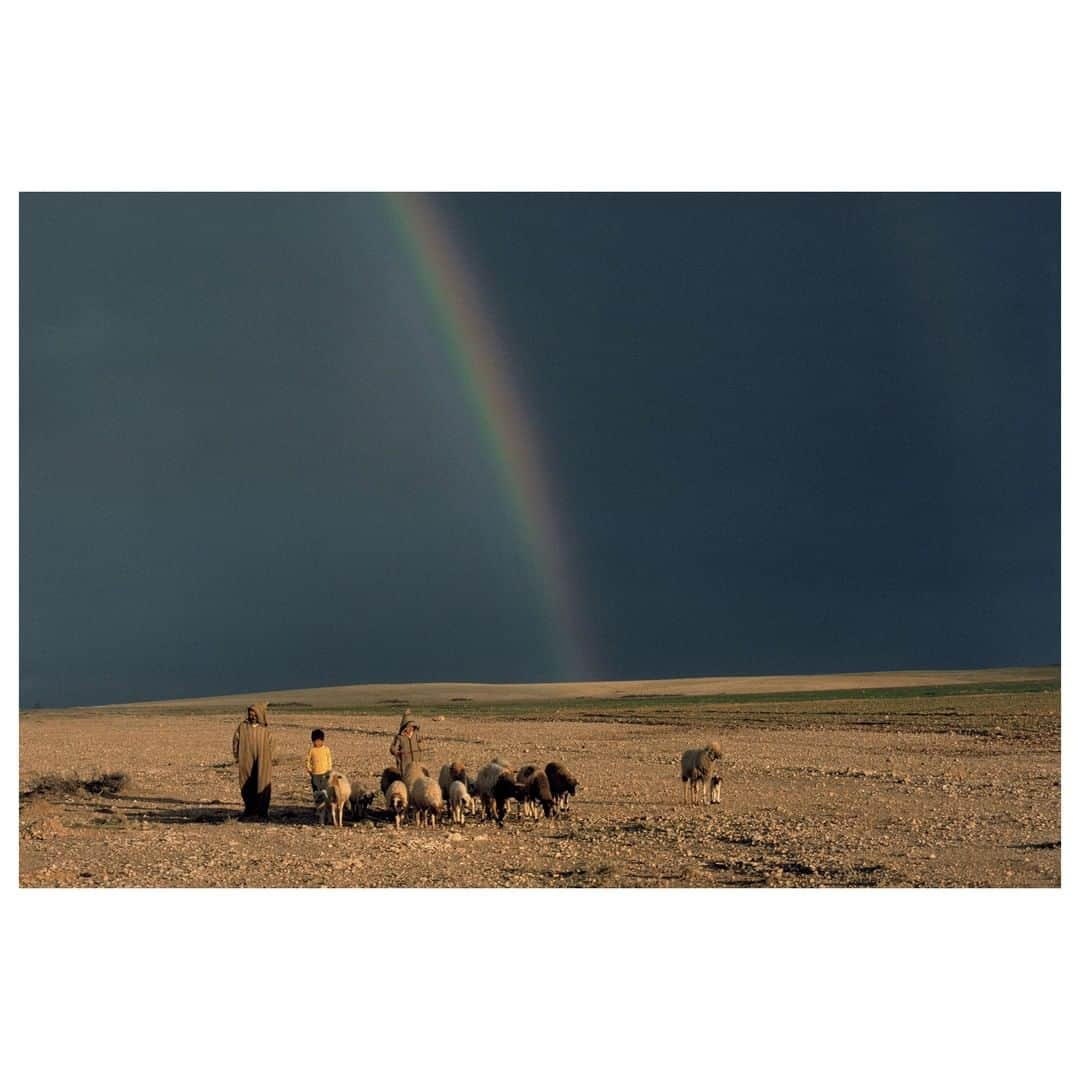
(563, 785)
(536, 789)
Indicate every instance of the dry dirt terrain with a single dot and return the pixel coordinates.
(901, 779)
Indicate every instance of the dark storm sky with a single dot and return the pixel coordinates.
(787, 434)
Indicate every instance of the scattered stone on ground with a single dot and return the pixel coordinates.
(905, 791)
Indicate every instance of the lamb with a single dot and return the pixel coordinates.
(563, 785)
(714, 789)
(338, 790)
(459, 801)
(698, 772)
(448, 774)
(426, 800)
(397, 799)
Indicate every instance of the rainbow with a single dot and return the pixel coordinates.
(482, 359)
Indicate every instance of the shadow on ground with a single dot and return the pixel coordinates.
(161, 810)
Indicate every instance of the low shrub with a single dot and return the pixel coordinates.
(99, 784)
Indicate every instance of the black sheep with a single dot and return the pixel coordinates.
(388, 777)
(504, 790)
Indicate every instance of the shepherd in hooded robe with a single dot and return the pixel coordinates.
(253, 749)
(406, 746)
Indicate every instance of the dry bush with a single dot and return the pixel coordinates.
(99, 784)
(106, 783)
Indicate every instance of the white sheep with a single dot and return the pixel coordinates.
(448, 774)
(338, 790)
(697, 772)
(397, 800)
(460, 802)
(413, 771)
(426, 800)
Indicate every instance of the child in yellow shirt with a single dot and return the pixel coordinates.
(319, 764)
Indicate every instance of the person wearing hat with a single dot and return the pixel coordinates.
(406, 746)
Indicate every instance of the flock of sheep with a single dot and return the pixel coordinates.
(536, 790)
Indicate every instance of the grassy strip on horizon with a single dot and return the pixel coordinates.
(458, 708)
(466, 707)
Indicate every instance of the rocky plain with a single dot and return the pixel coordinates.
(935, 779)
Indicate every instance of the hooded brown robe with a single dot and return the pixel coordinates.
(253, 749)
(406, 747)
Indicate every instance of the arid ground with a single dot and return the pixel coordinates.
(890, 779)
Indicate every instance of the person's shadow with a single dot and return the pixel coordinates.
(163, 810)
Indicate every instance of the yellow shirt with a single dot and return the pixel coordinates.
(318, 760)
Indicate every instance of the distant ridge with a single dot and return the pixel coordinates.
(393, 696)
